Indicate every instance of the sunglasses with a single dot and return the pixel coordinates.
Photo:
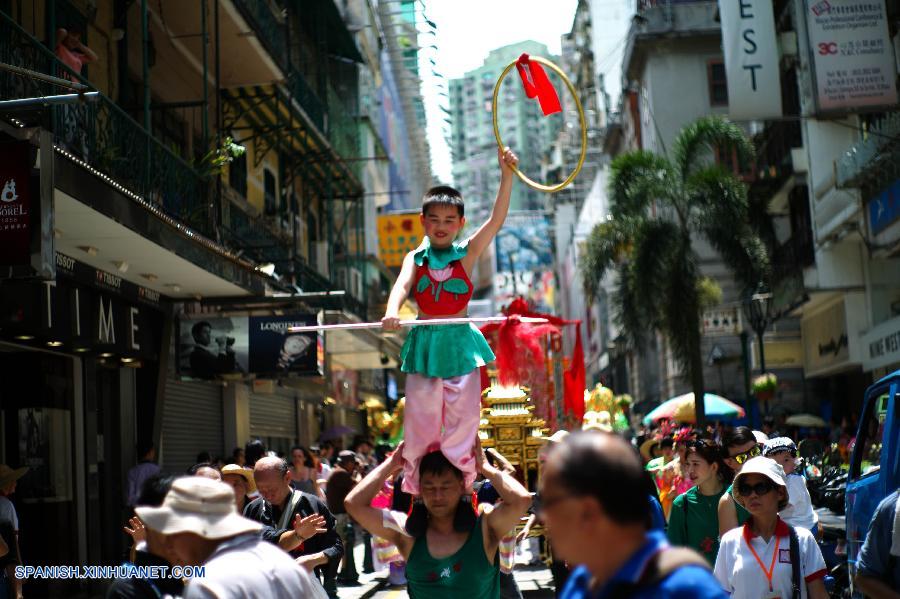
(750, 453)
(759, 489)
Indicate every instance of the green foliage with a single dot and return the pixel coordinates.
(213, 163)
(659, 206)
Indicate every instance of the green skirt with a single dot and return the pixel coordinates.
(444, 351)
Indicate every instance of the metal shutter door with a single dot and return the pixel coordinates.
(273, 415)
(192, 422)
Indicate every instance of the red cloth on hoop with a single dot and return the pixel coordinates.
(510, 359)
(539, 85)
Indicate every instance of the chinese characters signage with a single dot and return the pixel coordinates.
(852, 53)
(398, 234)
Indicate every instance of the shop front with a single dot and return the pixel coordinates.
(80, 358)
(833, 355)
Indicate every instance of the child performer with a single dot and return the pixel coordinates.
(443, 384)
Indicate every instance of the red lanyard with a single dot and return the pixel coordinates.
(771, 569)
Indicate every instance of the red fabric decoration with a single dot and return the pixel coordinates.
(539, 85)
(513, 360)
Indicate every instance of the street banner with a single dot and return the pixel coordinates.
(853, 57)
(751, 59)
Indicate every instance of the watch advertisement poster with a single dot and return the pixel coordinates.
(274, 350)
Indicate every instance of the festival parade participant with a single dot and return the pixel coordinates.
(443, 384)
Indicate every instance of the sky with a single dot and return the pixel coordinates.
(467, 30)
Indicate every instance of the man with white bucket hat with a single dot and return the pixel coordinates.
(202, 527)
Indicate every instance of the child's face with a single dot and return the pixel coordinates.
(786, 459)
(442, 224)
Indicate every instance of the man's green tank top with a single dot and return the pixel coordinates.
(465, 574)
(742, 513)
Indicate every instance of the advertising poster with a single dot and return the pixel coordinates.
(210, 347)
(524, 248)
(852, 54)
(274, 350)
(45, 447)
(15, 203)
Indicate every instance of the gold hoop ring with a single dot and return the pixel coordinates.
(525, 179)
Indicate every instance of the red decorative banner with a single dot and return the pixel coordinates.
(538, 85)
(15, 203)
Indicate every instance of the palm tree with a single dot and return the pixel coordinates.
(660, 205)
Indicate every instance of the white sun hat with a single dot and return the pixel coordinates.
(199, 505)
(766, 467)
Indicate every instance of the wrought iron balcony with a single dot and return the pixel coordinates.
(270, 31)
(874, 159)
(795, 254)
(102, 136)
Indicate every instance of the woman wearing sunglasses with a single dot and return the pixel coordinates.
(757, 560)
(694, 521)
(739, 446)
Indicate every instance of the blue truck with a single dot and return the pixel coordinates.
(874, 463)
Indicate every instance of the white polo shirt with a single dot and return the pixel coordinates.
(739, 573)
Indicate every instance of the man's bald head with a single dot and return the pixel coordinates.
(270, 464)
(604, 467)
(273, 479)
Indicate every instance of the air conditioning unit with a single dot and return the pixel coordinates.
(321, 258)
(356, 284)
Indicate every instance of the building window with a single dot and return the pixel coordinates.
(718, 83)
(271, 200)
(237, 174)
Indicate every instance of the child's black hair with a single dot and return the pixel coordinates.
(443, 195)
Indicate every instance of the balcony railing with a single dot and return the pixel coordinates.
(254, 235)
(102, 135)
(879, 151)
(794, 255)
(270, 31)
(308, 100)
(343, 130)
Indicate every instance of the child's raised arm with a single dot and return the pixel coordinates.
(399, 293)
(486, 232)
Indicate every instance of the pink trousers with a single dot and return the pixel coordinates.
(440, 414)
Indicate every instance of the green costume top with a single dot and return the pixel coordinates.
(467, 574)
(442, 288)
(700, 530)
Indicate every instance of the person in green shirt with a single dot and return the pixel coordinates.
(694, 519)
(450, 552)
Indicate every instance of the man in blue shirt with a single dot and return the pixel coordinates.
(596, 511)
(878, 567)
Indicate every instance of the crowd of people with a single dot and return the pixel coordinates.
(676, 513)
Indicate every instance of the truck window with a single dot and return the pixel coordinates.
(868, 460)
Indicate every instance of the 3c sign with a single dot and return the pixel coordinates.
(827, 48)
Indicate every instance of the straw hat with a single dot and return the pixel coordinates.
(646, 447)
(241, 471)
(9, 476)
(199, 505)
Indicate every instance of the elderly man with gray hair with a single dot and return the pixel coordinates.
(298, 522)
(202, 528)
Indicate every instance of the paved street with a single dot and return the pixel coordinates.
(534, 582)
